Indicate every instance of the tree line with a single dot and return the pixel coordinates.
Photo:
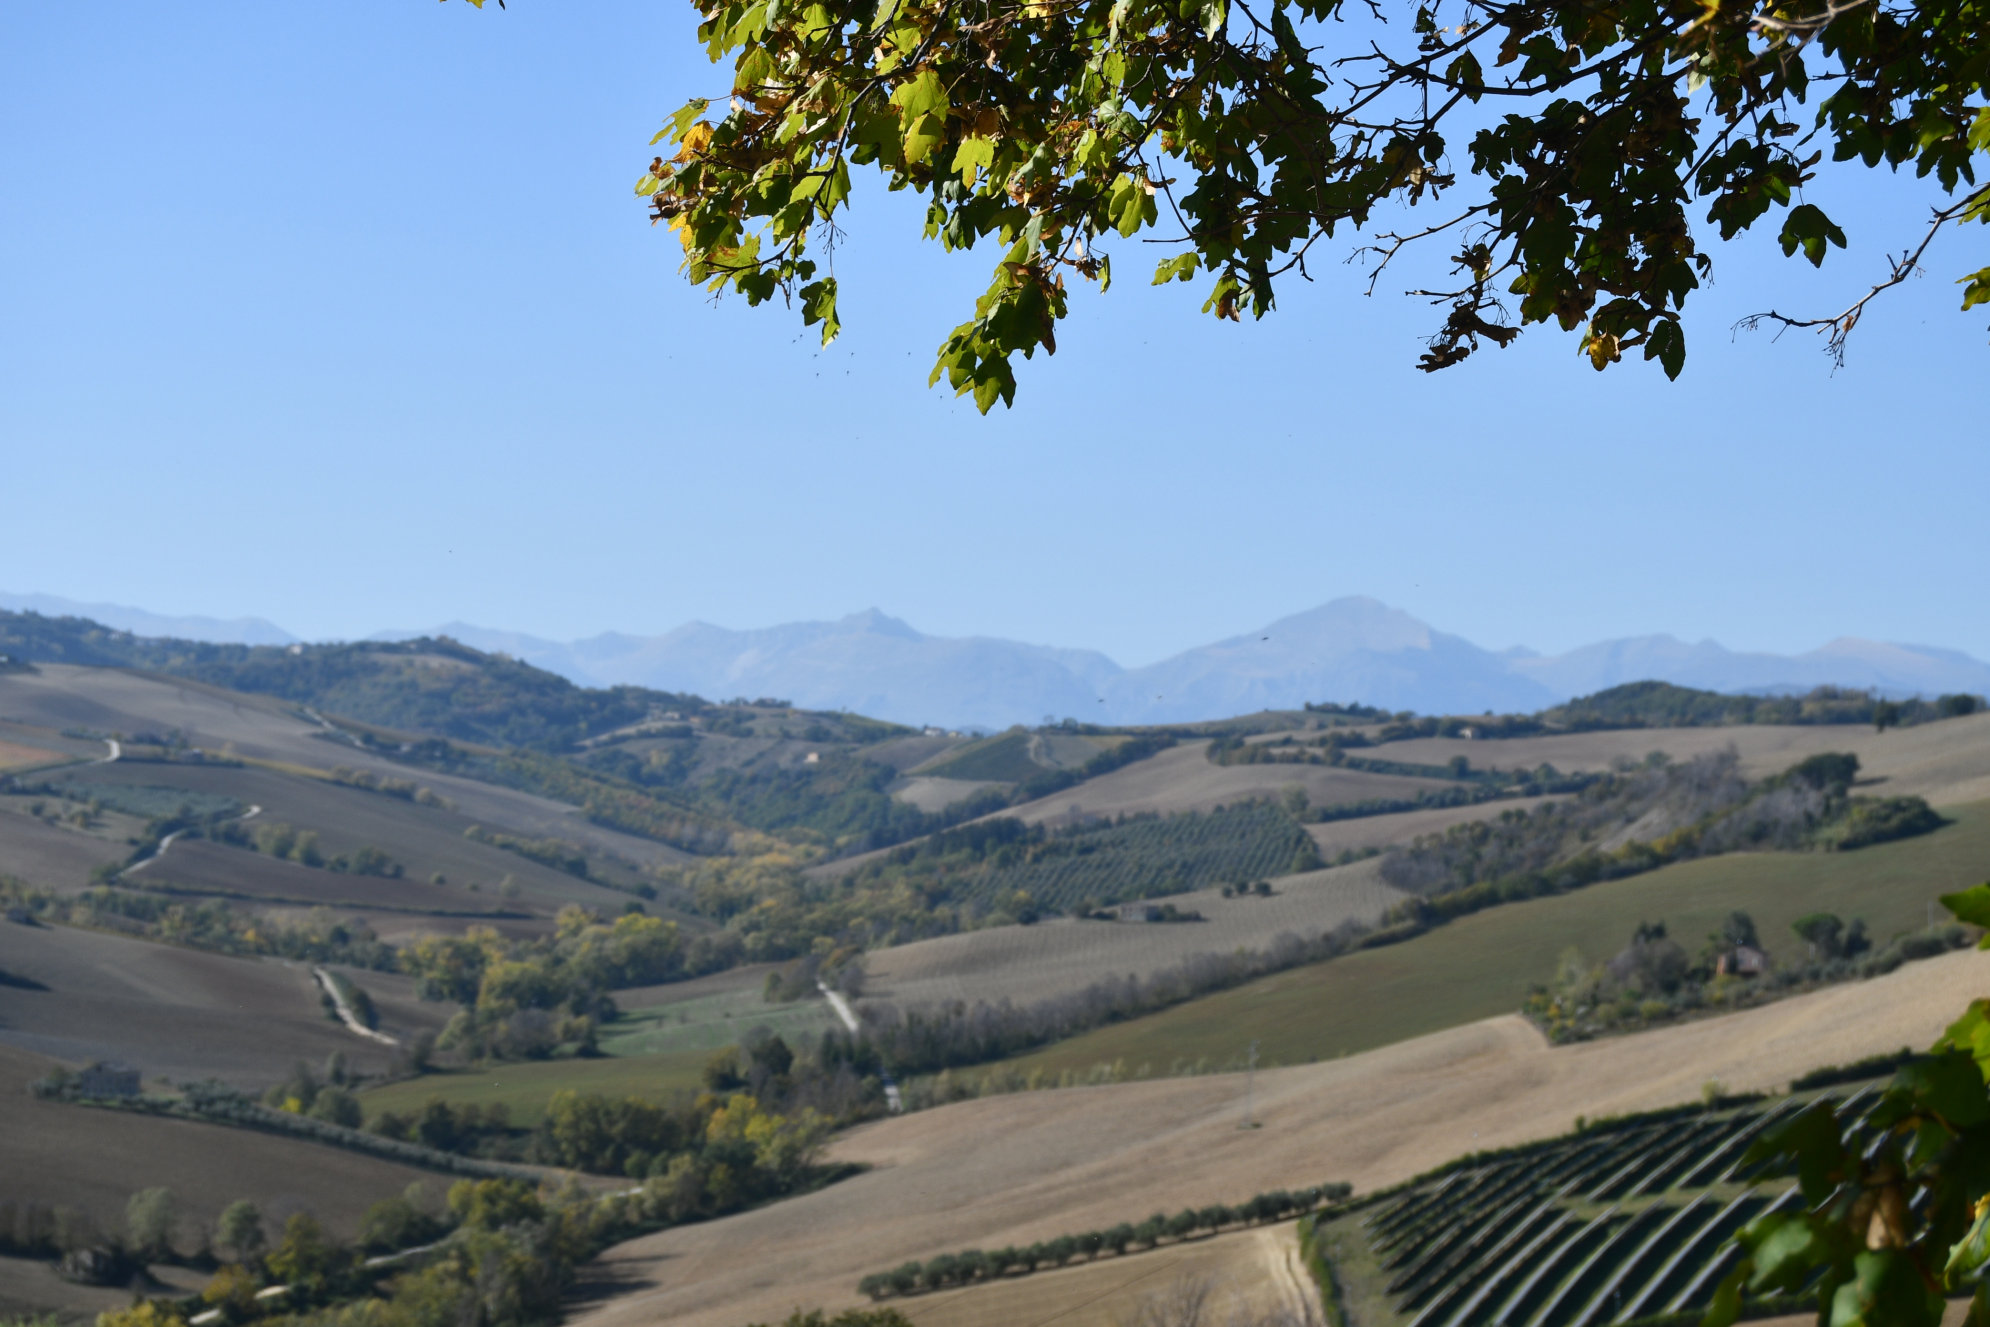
(972, 1265)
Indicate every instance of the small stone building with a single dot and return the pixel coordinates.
(107, 1078)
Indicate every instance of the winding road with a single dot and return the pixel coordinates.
(167, 842)
(849, 1017)
(346, 1015)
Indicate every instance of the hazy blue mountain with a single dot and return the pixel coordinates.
(229, 631)
(1847, 661)
(1353, 649)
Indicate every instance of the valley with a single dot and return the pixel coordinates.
(587, 932)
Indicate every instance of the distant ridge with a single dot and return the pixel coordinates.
(139, 622)
(1350, 649)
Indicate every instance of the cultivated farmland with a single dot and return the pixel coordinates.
(1027, 1167)
(93, 1160)
(169, 1012)
(1182, 778)
(1944, 762)
(110, 701)
(1024, 963)
(425, 840)
(1601, 1228)
(1482, 964)
(525, 1088)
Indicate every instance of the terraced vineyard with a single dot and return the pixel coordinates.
(1625, 1226)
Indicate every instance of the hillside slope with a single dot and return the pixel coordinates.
(1028, 1167)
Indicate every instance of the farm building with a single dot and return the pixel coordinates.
(107, 1078)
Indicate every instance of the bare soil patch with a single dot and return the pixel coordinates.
(198, 866)
(931, 794)
(1021, 1168)
(93, 1160)
(60, 857)
(169, 1012)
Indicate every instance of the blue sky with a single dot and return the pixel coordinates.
(344, 315)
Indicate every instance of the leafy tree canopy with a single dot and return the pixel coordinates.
(1564, 151)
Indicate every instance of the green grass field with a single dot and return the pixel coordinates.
(526, 1088)
(1481, 965)
(653, 1052)
(710, 1021)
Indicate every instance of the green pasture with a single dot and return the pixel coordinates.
(1481, 965)
(526, 1088)
(706, 1023)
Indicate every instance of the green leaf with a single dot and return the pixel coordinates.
(1179, 268)
(1977, 292)
(1971, 905)
(1968, 1255)
(1808, 228)
(973, 156)
(1886, 1290)
(680, 123)
(923, 95)
(819, 306)
(1726, 1305)
(1214, 12)
(1949, 1086)
(1667, 345)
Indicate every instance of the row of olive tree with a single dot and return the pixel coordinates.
(965, 1268)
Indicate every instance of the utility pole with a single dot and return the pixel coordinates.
(1250, 1084)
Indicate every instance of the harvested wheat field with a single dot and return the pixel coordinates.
(1031, 1166)
(1023, 963)
(1182, 778)
(1252, 1278)
(1944, 762)
(1334, 837)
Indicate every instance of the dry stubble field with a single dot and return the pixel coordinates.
(1024, 963)
(1021, 1168)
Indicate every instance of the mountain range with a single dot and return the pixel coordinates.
(1351, 649)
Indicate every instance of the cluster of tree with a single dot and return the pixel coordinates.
(556, 853)
(210, 924)
(972, 1265)
(1663, 705)
(925, 1040)
(752, 1132)
(326, 1096)
(647, 812)
(287, 843)
(1653, 980)
(317, 1111)
(406, 790)
(1007, 870)
(842, 802)
(1698, 808)
(525, 997)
